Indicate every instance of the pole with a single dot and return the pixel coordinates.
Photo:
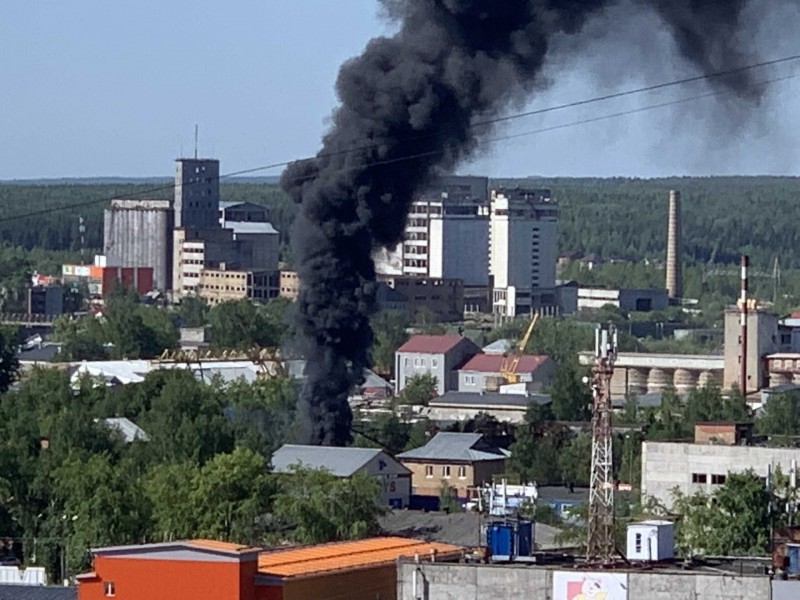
(743, 325)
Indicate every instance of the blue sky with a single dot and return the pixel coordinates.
(106, 88)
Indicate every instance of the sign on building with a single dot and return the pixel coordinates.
(582, 585)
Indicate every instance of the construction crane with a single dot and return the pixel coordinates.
(508, 369)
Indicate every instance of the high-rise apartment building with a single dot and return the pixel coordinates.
(447, 234)
(522, 250)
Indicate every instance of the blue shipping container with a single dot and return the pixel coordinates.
(793, 554)
(500, 539)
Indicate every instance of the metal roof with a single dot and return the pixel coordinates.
(37, 592)
(129, 430)
(479, 399)
(341, 556)
(493, 363)
(341, 462)
(499, 347)
(463, 447)
(244, 227)
(432, 344)
(203, 545)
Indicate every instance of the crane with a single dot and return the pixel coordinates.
(508, 370)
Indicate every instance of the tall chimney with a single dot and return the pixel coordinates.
(743, 325)
(674, 248)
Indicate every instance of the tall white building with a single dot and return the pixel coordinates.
(523, 230)
(447, 234)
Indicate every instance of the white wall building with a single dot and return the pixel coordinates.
(691, 467)
(447, 234)
(522, 250)
(650, 541)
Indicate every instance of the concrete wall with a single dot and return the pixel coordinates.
(138, 233)
(697, 467)
(762, 339)
(443, 581)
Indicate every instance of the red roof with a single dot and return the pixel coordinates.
(491, 363)
(431, 344)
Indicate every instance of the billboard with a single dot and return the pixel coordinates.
(589, 585)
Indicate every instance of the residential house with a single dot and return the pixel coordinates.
(484, 372)
(394, 478)
(437, 355)
(461, 461)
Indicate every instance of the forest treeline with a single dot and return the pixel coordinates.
(613, 218)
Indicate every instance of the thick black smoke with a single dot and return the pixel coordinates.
(407, 106)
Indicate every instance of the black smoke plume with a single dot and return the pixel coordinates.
(408, 104)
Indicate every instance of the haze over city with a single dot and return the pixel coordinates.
(116, 90)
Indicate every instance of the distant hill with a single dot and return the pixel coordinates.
(271, 179)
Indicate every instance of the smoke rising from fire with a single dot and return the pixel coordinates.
(408, 103)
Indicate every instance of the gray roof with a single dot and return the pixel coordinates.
(37, 592)
(498, 347)
(464, 447)
(243, 227)
(373, 380)
(129, 430)
(342, 462)
(478, 399)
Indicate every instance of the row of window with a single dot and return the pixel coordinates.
(703, 478)
(420, 362)
(445, 471)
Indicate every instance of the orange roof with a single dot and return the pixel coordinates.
(371, 552)
(224, 546)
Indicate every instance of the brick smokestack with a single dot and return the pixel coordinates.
(674, 247)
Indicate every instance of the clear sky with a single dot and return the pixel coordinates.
(107, 88)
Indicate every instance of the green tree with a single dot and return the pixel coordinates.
(322, 508)
(230, 494)
(781, 414)
(9, 365)
(390, 333)
(570, 397)
(192, 311)
(419, 390)
(240, 324)
(734, 520)
(575, 460)
(168, 487)
(386, 431)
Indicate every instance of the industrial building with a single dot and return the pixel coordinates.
(442, 299)
(702, 465)
(100, 278)
(484, 372)
(627, 299)
(360, 570)
(222, 284)
(523, 251)
(462, 406)
(138, 233)
(289, 284)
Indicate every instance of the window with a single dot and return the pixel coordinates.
(407, 362)
(109, 588)
(419, 362)
(434, 362)
(699, 478)
(428, 470)
(469, 379)
(638, 542)
(718, 479)
(462, 472)
(446, 471)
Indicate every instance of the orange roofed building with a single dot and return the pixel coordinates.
(363, 569)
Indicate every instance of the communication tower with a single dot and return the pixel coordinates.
(600, 545)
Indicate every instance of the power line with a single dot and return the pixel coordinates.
(506, 118)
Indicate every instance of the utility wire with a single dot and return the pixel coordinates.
(506, 118)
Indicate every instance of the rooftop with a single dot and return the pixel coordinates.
(341, 462)
(493, 399)
(371, 552)
(203, 545)
(10, 591)
(431, 344)
(464, 447)
(493, 363)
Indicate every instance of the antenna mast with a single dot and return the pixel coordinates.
(195, 141)
(600, 545)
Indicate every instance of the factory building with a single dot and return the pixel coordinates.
(138, 233)
(627, 299)
(189, 570)
(221, 284)
(196, 193)
(523, 251)
(703, 465)
(437, 355)
(442, 299)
